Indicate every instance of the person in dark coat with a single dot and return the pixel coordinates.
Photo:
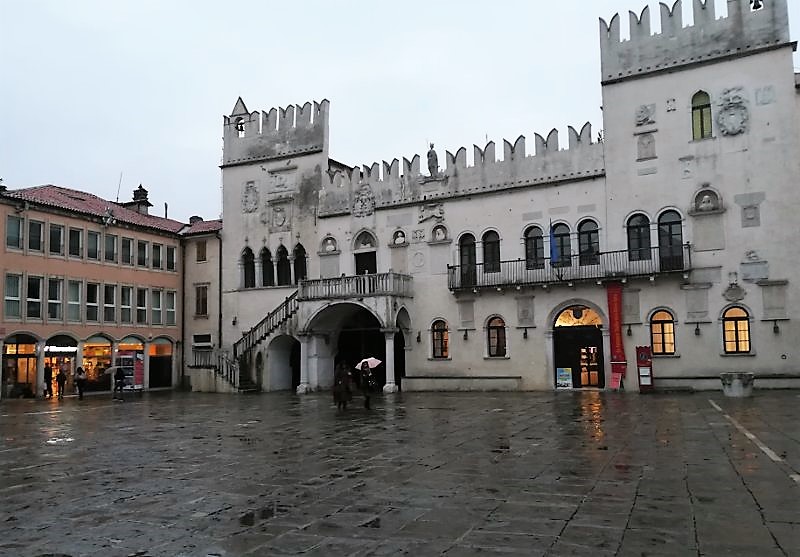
(61, 381)
(342, 386)
(119, 384)
(48, 382)
(80, 381)
(367, 383)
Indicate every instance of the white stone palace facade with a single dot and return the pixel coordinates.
(542, 261)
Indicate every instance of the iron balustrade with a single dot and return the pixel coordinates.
(358, 286)
(219, 361)
(266, 326)
(572, 268)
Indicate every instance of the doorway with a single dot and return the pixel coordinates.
(366, 263)
(578, 347)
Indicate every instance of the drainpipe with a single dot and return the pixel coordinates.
(219, 294)
(183, 312)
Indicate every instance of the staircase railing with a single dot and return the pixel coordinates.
(266, 326)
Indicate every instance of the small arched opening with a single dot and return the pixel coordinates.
(578, 348)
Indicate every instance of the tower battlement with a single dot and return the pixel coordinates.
(744, 30)
(274, 133)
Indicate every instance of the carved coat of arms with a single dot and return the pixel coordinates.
(250, 198)
(364, 202)
(734, 115)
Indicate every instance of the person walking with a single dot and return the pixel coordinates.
(342, 386)
(367, 383)
(61, 381)
(80, 381)
(48, 381)
(119, 384)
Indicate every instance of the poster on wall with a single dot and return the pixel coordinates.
(564, 378)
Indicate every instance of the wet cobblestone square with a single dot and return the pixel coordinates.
(583, 473)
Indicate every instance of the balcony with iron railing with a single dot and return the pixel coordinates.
(358, 286)
(645, 262)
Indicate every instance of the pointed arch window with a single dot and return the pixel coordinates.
(496, 337)
(284, 268)
(300, 269)
(701, 116)
(670, 241)
(534, 248)
(440, 339)
(662, 333)
(561, 256)
(736, 331)
(491, 252)
(248, 268)
(639, 238)
(267, 268)
(589, 243)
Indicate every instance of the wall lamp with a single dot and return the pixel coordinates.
(419, 336)
(775, 328)
(234, 321)
(629, 332)
(466, 334)
(525, 332)
(697, 329)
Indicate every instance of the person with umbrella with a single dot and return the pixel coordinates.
(367, 379)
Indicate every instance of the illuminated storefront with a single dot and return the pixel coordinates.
(130, 356)
(96, 360)
(19, 366)
(60, 353)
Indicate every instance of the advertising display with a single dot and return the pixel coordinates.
(564, 378)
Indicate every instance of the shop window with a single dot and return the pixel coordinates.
(200, 251)
(267, 268)
(440, 339)
(55, 300)
(248, 268)
(75, 242)
(56, 239)
(171, 261)
(639, 238)
(126, 304)
(284, 267)
(13, 296)
(534, 248)
(662, 333)
(299, 263)
(141, 253)
(92, 302)
(110, 303)
(111, 248)
(74, 288)
(496, 337)
(736, 331)
(13, 232)
(157, 249)
(169, 305)
(491, 252)
(93, 245)
(141, 306)
(35, 240)
(588, 243)
(33, 298)
(127, 251)
(201, 300)
(96, 360)
(701, 116)
(155, 307)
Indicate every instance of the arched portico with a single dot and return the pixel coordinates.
(282, 369)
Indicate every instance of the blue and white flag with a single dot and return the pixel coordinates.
(554, 253)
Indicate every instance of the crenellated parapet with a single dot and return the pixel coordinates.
(749, 27)
(388, 184)
(276, 133)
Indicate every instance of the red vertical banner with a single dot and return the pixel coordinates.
(618, 362)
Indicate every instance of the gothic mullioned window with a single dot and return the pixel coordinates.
(267, 269)
(736, 331)
(248, 268)
(491, 252)
(589, 243)
(701, 116)
(662, 333)
(440, 339)
(284, 267)
(300, 270)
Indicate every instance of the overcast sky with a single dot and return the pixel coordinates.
(93, 88)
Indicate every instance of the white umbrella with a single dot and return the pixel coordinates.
(371, 362)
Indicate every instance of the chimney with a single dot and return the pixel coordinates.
(194, 219)
(140, 203)
(166, 209)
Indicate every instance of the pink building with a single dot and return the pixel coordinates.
(91, 283)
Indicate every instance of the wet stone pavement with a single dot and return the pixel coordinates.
(420, 474)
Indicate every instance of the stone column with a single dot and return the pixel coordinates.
(305, 345)
(146, 365)
(390, 386)
(40, 366)
(259, 271)
(79, 355)
(291, 268)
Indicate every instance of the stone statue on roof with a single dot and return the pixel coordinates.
(433, 162)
